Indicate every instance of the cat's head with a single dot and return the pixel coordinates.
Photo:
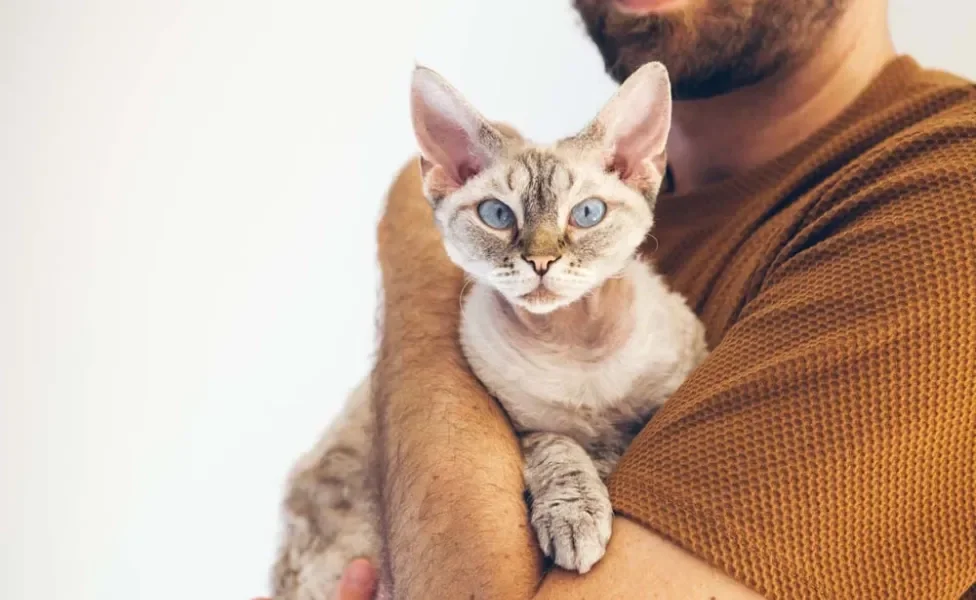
(543, 225)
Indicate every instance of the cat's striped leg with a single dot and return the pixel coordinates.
(569, 503)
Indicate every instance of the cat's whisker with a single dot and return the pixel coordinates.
(467, 281)
(657, 244)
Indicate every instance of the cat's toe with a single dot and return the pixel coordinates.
(574, 534)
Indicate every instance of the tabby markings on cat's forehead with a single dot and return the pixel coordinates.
(541, 178)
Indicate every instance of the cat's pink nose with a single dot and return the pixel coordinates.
(540, 264)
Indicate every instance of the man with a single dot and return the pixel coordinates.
(819, 216)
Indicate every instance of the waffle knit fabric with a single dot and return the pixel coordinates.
(827, 447)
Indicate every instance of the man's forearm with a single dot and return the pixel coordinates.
(449, 465)
(640, 564)
(452, 505)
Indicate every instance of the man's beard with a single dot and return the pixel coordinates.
(712, 46)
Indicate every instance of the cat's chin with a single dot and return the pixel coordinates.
(541, 301)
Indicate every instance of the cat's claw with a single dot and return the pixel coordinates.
(574, 533)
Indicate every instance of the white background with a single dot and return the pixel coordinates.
(188, 193)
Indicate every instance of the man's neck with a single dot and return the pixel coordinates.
(721, 137)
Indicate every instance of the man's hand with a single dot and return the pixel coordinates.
(359, 582)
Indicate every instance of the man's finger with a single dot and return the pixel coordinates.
(358, 581)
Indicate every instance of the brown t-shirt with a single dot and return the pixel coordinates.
(827, 447)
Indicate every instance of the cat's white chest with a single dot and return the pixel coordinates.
(548, 388)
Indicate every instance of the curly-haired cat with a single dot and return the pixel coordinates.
(578, 338)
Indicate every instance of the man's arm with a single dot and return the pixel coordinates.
(640, 564)
(825, 448)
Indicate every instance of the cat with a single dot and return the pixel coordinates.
(577, 337)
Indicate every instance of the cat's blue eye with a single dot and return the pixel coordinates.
(496, 214)
(588, 213)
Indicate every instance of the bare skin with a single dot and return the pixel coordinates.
(359, 582)
(454, 516)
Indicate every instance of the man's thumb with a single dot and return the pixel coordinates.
(358, 581)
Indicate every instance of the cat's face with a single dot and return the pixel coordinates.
(543, 225)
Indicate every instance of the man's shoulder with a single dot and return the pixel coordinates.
(906, 169)
(941, 110)
(923, 140)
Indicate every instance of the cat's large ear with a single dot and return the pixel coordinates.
(631, 131)
(456, 142)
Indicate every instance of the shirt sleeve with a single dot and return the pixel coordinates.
(827, 446)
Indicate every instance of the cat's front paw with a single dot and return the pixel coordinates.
(573, 524)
